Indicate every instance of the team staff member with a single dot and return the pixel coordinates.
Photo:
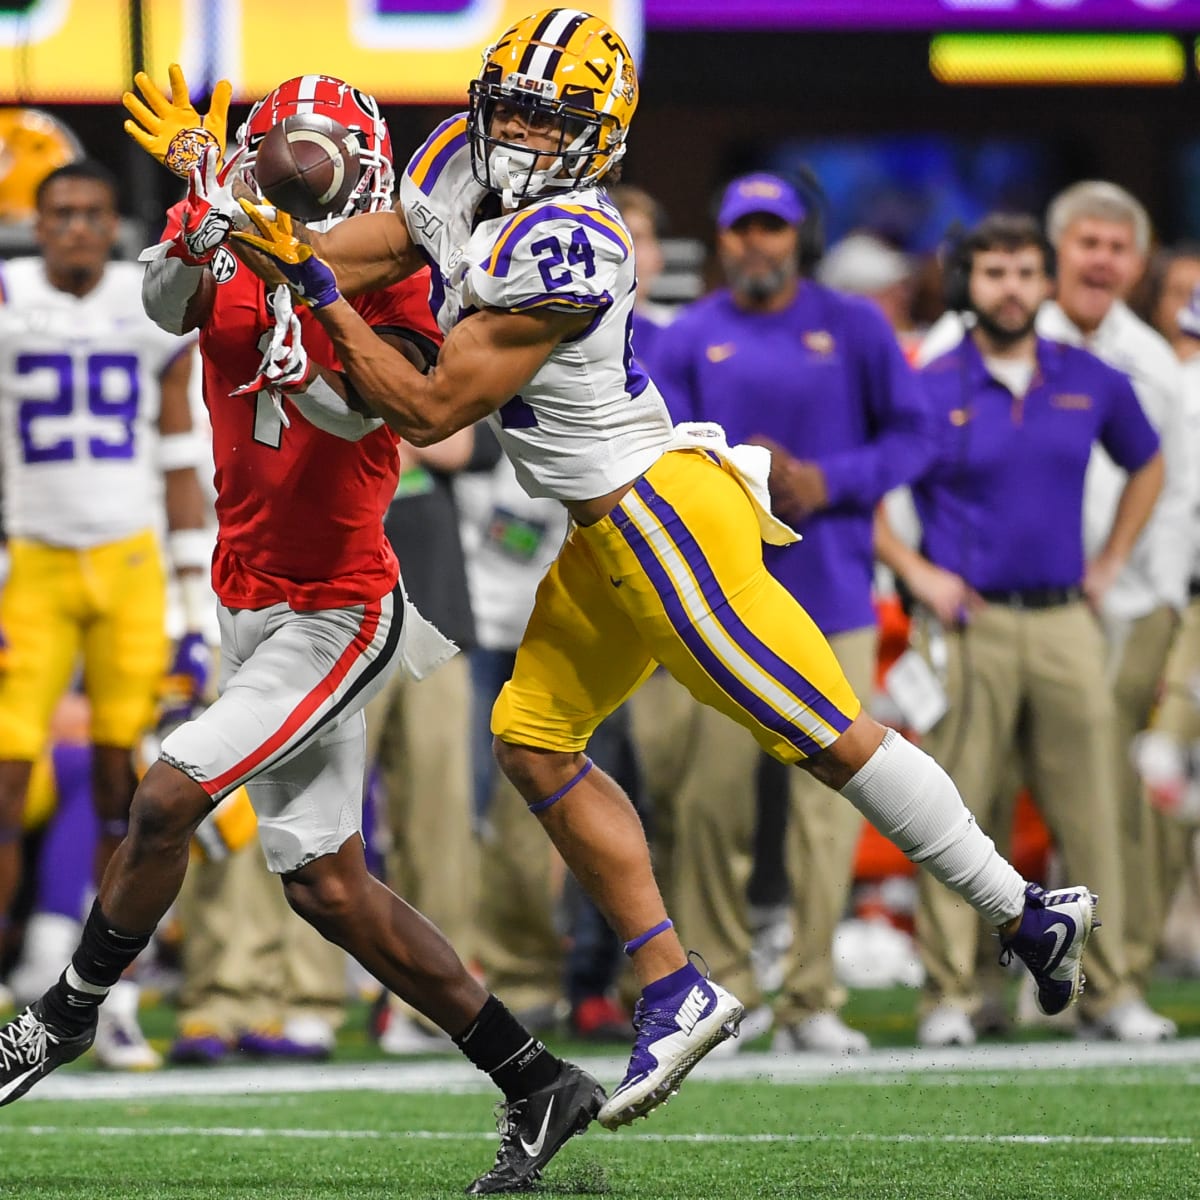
(817, 376)
(1102, 235)
(94, 405)
(1002, 572)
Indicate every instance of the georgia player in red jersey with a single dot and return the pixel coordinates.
(313, 620)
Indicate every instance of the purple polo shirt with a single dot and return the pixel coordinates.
(826, 379)
(1003, 504)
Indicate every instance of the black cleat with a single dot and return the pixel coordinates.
(533, 1130)
(30, 1048)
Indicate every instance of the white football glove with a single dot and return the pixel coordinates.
(284, 364)
(209, 215)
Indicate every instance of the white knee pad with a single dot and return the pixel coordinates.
(907, 796)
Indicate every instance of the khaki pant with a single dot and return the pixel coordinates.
(249, 962)
(1029, 682)
(419, 736)
(700, 769)
(519, 939)
(1154, 847)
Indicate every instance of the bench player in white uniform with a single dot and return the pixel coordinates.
(94, 416)
(534, 286)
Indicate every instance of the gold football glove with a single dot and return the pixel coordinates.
(172, 130)
(310, 278)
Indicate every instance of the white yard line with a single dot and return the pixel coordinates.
(949, 1067)
(433, 1135)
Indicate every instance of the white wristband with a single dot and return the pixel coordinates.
(176, 451)
(196, 598)
(190, 549)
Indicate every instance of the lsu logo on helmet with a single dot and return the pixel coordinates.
(573, 77)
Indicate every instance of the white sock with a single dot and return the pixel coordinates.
(912, 801)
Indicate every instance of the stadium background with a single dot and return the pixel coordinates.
(1095, 88)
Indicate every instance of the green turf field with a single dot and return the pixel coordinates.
(1026, 1122)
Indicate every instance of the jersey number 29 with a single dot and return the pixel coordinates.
(109, 385)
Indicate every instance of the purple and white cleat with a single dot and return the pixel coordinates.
(1054, 929)
(673, 1033)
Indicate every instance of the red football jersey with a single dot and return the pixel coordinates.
(299, 511)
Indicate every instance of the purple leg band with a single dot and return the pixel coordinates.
(114, 828)
(642, 938)
(542, 805)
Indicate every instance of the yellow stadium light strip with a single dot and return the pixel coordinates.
(1057, 59)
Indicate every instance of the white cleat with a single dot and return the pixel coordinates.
(945, 1026)
(669, 1042)
(822, 1033)
(120, 1044)
(1130, 1021)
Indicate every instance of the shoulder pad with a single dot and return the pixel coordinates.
(564, 256)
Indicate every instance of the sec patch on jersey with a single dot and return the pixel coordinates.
(308, 165)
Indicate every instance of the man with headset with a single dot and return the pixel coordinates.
(1004, 589)
(818, 377)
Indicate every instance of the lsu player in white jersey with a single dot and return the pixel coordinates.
(94, 413)
(534, 284)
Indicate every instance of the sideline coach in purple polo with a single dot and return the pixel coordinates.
(819, 378)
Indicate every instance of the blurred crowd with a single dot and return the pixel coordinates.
(1065, 705)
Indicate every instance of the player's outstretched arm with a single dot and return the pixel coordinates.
(361, 254)
(485, 361)
(367, 252)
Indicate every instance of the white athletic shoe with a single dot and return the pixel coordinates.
(754, 1024)
(670, 1040)
(945, 1026)
(404, 1036)
(771, 929)
(822, 1033)
(1130, 1021)
(50, 940)
(311, 1032)
(120, 1044)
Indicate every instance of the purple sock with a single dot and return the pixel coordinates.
(65, 863)
(671, 985)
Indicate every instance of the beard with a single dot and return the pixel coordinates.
(761, 285)
(1004, 335)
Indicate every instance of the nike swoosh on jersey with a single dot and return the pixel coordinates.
(720, 353)
(534, 1148)
(12, 1085)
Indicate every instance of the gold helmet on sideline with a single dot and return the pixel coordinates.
(573, 71)
(32, 144)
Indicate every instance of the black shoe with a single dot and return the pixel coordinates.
(533, 1130)
(30, 1047)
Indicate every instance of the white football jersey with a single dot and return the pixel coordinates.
(79, 406)
(590, 419)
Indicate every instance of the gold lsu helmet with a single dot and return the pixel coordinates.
(32, 144)
(574, 76)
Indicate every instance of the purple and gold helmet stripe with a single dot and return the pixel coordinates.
(428, 163)
(510, 236)
(549, 40)
(775, 694)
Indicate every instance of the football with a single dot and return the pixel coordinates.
(308, 165)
